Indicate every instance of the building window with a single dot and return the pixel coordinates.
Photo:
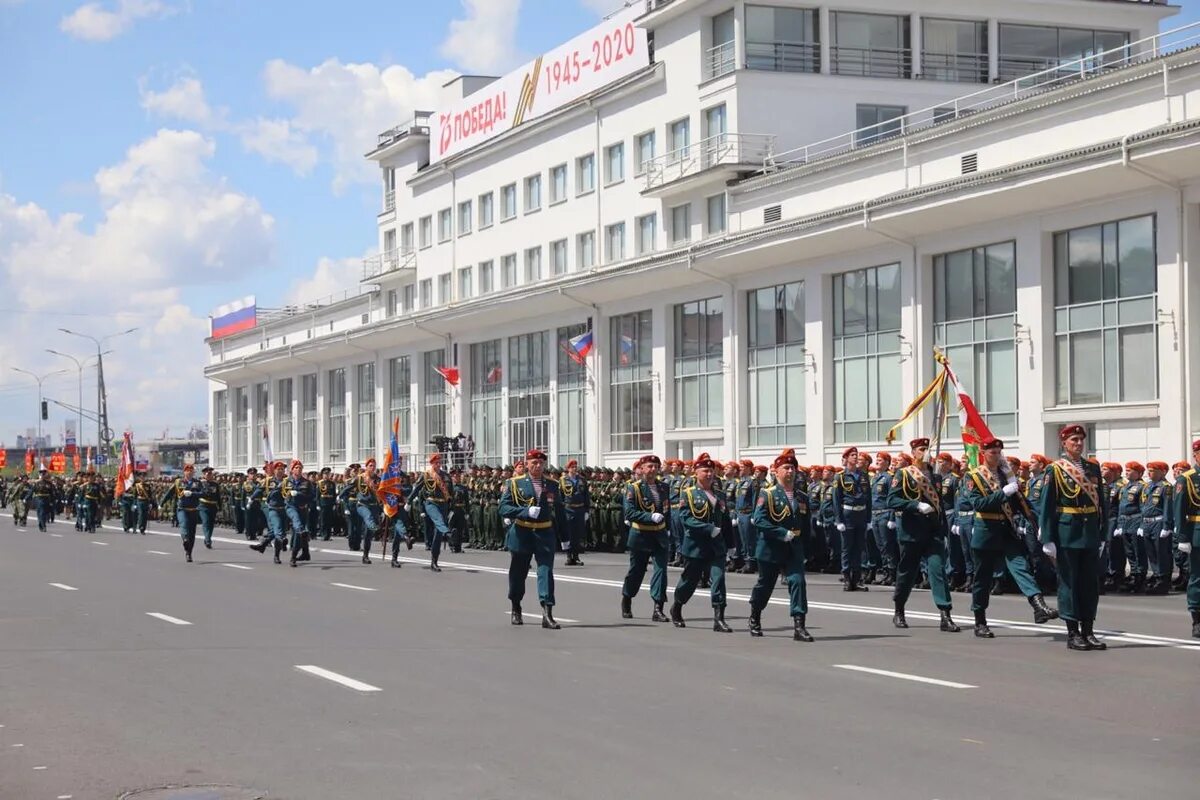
(681, 224)
(485, 210)
(781, 39)
(715, 141)
(309, 418)
(571, 384)
(445, 288)
(975, 314)
(1025, 49)
(866, 353)
(434, 411)
(528, 393)
(400, 397)
(614, 242)
(776, 355)
(410, 291)
(699, 379)
(426, 292)
(221, 427)
(364, 379)
(715, 206)
(445, 225)
(336, 399)
(393, 302)
(647, 232)
(721, 57)
(533, 264)
(558, 184)
(1106, 313)
(644, 152)
(878, 122)
(870, 45)
(406, 238)
(558, 257)
(954, 50)
(679, 138)
(585, 173)
(631, 386)
(614, 163)
(464, 283)
(533, 193)
(508, 202)
(586, 257)
(241, 426)
(426, 232)
(487, 402)
(283, 418)
(486, 280)
(465, 218)
(508, 270)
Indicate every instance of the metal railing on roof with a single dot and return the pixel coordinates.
(1141, 51)
(722, 149)
(418, 124)
(871, 62)
(958, 67)
(783, 56)
(388, 261)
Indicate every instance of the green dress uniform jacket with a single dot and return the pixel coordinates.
(1074, 506)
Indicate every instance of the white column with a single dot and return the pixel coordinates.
(818, 383)
(1172, 377)
(660, 366)
(739, 34)
(1190, 325)
(352, 411)
(826, 36)
(733, 357)
(1035, 338)
(993, 40)
(917, 43)
(597, 388)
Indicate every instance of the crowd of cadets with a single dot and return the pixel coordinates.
(848, 520)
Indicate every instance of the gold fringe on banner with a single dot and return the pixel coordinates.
(931, 391)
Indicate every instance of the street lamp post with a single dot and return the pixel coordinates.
(39, 379)
(103, 434)
(79, 365)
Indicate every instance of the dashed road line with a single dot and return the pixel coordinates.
(352, 586)
(167, 618)
(532, 615)
(349, 683)
(64, 587)
(904, 676)
(237, 566)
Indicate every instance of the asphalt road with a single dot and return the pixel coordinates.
(416, 686)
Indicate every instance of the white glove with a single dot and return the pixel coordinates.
(1012, 480)
(841, 526)
(1141, 532)
(534, 511)
(1050, 549)
(507, 522)
(924, 508)
(586, 514)
(1009, 489)
(954, 529)
(891, 524)
(715, 531)
(1185, 547)
(789, 537)
(1165, 534)
(187, 492)
(656, 517)
(1117, 532)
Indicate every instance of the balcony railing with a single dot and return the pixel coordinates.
(783, 56)
(719, 60)
(1052, 69)
(387, 262)
(1037, 83)
(389, 201)
(722, 149)
(871, 62)
(418, 124)
(956, 67)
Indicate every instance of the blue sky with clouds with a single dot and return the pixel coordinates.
(160, 157)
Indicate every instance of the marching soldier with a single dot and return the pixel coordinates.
(210, 503)
(883, 522)
(271, 490)
(781, 517)
(252, 492)
(238, 496)
(922, 535)
(431, 493)
(1155, 530)
(297, 493)
(647, 506)
(746, 496)
(348, 497)
(1186, 515)
(186, 492)
(852, 515)
(530, 502)
(326, 504)
(1114, 556)
(1129, 523)
(703, 512)
(577, 506)
(368, 509)
(142, 500)
(1073, 512)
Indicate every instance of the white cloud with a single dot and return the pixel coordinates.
(331, 276)
(184, 100)
(485, 41)
(603, 7)
(168, 225)
(93, 22)
(276, 140)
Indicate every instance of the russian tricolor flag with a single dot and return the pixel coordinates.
(582, 345)
(234, 317)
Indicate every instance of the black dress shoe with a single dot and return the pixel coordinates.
(626, 607)
(260, 547)
(517, 617)
(948, 625)
(188, 556)
(1075, 640)
(658, 615)
(1042, 613)
(799, 632)
(677, 615)
(1090, 637)
(982, 630)
(395, 563)
(898, 619)
(719, 623)
(366, 560)
(433, 567)
(1196, 624)
(548, 619)
(756, 623)
(208, 545)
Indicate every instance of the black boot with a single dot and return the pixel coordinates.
(1042, 613)
(755, 622)
(396, 561)
(548, 619)
(517, 617)
(677, 615)
(658, 615)
(626, 607)
(295, 552)
(433, 565)
(847, 584)
(1090, 638)
(799, 632)
(719, 623)
(981, 627)
(870, 577)
(1196, 624)
(1159, 586)
(948, 625)
(898, 618)
(1075, 640)
(278, 549)
(188, 544)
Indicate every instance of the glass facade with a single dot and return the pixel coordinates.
(528, 393)
(487, 402)
(1106, 313)
(221, 427)
(782, 39)
(1025, 49)
(434, 411)
(954, 50)
(262, 411)
(870, 45)
(364, 386)
(309, 418)
(975, 305)
(283, 418)
(699, 376)
(866, 353)
(241, 426)
(571, 383)
(776, 355)
(400, 398)
(336, 402)
(631, 386)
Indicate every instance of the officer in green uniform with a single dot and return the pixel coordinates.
(326, 504)
(915, 498)
(432, 494)
(781, 519)
(186, 493)
(992, 493)
(1155, 531)
(460, 500)
(1129, 522)
(210, 503)
(703, 512)
(577, 507)
(531, 504)
(647, 506)
(1186, 516)
(252, 492)
(1074, 507)
(142, 500)
(348, 498)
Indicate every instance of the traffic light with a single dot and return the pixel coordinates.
(45, 411)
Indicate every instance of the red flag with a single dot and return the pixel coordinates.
(29, 460)
(125, 470)
(3, 458)
(75, 459)
(449, 373)
(974, 430)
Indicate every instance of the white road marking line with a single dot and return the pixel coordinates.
(56, 535)
(18, 745)
(532, 615)
(167, 618)
(35, 769)
(904, 676)
(102, 544)
(237, 566)
(352, 586)
(349, 683)
(64, 587)
(159, 552)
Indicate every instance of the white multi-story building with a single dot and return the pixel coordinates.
(768, 215)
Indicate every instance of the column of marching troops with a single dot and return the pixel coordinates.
(907, 521)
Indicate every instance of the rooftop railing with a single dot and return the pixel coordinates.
(1061, 74)
(418, 124)
(722, 149)
(871, 62)
(783, 56)
(388, 261)
(959, 67)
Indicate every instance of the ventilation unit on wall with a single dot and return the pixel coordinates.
(772, 214)
(970, 163)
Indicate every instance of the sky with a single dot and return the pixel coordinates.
(159, 158)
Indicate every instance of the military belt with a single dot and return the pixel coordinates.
(1193, 518)
(537, 526)
(1083, 510)
(206, 501)
(989, 516)
(648, 526)
(854, 508)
